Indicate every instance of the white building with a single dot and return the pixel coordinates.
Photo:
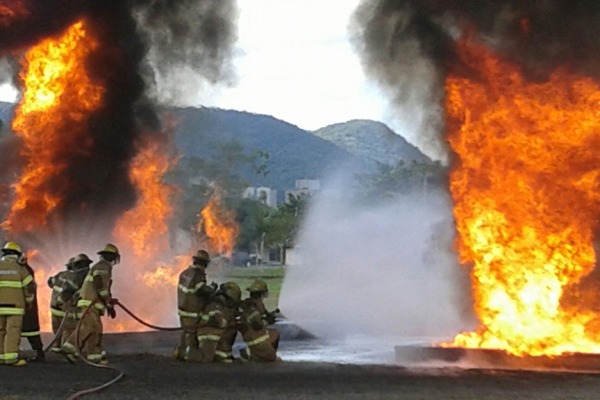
(264, 194)
(306, 187)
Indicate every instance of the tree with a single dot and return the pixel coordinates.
(402, 178)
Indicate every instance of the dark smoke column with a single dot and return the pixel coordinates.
(94, 185)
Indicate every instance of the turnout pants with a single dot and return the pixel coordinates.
(90, 337)
(188, 343)
(223, 352)
(208, 338)
(10, 338)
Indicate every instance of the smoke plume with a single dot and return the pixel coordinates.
(140, 42)
(405, 45)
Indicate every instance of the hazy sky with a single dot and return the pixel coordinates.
(295, 62)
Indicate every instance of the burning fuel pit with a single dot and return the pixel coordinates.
(495, 359)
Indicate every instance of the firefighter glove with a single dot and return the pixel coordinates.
(111, 312)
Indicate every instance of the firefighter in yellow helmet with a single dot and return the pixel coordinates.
(261, 342)
(192, 296)
(233, 297)
(217, 316)
(16, 295)
(94, 300)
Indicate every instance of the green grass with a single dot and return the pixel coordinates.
(273, 276)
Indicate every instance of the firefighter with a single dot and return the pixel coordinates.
(16, 295)
(64, 299)
(192, 296)
(259, 345)
(57, 313)
(31, 319)
(94, 300)
(212, 325)
(232, 295)
(258, 292)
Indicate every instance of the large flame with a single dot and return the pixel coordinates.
(51, 121)
(527, 201)
(219, 225)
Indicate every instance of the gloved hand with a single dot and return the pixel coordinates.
(270, 318)
(113, 301)
(111, 312)
(213, 285)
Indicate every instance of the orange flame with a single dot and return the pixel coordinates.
(219, 225)
(51, 121)
(144, 229)
(527, 203)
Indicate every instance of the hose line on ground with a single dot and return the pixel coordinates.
(120, 373)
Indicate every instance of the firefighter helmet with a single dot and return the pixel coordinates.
(258, 286)
(70, 263)
(83, 258)
(202, 255)
(110, 249)
(231, 290)
(12, 248)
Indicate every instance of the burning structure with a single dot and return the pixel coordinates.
(91, 149)
(515, 88)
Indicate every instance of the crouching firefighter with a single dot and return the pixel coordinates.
(259, 344)
(31, 319)
(94, 300)
(232, 295)
(16, 295)
(258, 292)
(212, 325)
(192, 296)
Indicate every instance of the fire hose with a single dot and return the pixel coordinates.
(120, 374)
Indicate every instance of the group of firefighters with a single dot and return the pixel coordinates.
(211, 315)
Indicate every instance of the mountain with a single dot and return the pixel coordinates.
(293, 152)
(371, 140)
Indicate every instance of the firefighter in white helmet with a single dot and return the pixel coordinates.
(16, 295)
(94, 300)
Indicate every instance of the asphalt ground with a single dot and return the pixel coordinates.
(151, 374)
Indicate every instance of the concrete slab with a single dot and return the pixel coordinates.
(412, 355)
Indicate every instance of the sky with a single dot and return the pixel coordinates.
(294, 61)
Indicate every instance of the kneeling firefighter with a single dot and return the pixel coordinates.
(95, 299)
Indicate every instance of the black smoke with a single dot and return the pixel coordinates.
(131, 33)
(408, 45)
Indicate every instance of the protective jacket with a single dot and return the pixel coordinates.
(192, 291)
(96, 287)
(16, 287)
(31, 320)
(57, 283)
(211, 327)
(261, 344)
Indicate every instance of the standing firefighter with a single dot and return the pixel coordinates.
(192, 296)
(63, 303)
(16, 294)
(262, 342)
(31, 319)
(94, 300)
(57, 313)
